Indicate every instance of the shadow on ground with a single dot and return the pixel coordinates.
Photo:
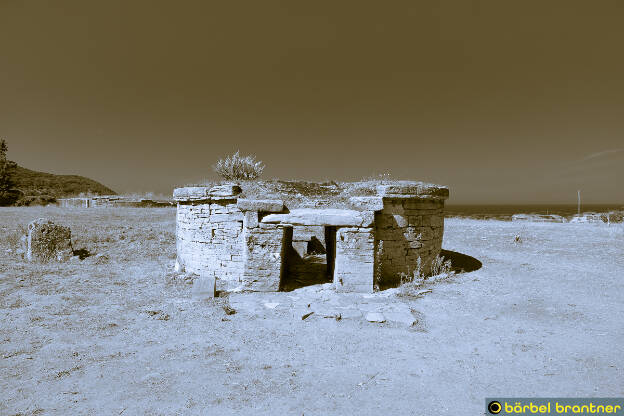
(461, 263)
(82, 253)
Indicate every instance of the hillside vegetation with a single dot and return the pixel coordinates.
(33, 183)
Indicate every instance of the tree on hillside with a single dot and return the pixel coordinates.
(8, 193)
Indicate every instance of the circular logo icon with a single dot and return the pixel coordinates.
(495, 408)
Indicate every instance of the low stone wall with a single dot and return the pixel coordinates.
(263, 245)
(111, 202)
(74, 202)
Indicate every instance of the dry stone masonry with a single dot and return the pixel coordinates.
(47, 241)
(357, 235)
(111, 201)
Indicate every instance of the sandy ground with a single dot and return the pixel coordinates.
(119, 333)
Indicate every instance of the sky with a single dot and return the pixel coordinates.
(502, 101)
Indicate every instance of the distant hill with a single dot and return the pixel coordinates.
(31, 182)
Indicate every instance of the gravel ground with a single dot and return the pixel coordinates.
(119, 332)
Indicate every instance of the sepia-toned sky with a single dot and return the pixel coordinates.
(503, 101)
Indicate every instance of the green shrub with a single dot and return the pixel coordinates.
(237, 167)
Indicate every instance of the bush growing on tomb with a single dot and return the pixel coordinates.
(239, 167)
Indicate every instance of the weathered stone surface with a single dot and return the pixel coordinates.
(354, 263)
(209, 240)
(327, 217)
(262, 205)
(190, 193)
(225, 190)
(204, 288)
(367, 203)
(263, 258)
(400, 313)
(251, 219)
(417, 189)
(48, 241)
(377, 317)
(407, 229)
(178, 267)
(201, 193)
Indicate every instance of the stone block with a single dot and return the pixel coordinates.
(414, 220)
(354, 262)
(225, 190)
(326, 217)
(261, 205)
(251, 219)
(204, 287)
(48, 241)
(263, 258)
(413, 189)
(393, 207)
(423, 204)
(190, 193)
(367, 203)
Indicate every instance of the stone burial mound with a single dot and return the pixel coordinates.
(48, 241)
(276, 236)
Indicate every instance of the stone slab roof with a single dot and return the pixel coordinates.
(328, 217)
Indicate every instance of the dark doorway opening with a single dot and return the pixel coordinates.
(310, 260)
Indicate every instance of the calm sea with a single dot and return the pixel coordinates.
(504, 212)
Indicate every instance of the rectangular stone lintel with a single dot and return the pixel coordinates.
(327, 217)
(261, 205)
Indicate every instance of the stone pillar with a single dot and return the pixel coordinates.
(263, 246)
(209, 228)
(408, 229)
(355, 259)
(264, 255)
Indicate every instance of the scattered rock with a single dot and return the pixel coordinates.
(350, 314)
(375, 317)
(401, 317)
(101, 259)
(204, 288)
(228, 310)
(306, 315)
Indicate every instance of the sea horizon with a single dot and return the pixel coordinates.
(505, 211)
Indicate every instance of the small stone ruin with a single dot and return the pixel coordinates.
(282, 235)
(111, 201)
(47, 241)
